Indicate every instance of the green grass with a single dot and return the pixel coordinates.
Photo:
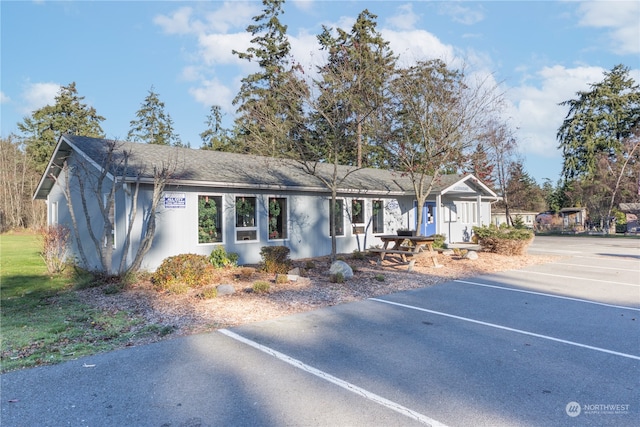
(42, 318)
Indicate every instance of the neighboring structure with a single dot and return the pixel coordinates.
(528, 218)
(574, 219)
(245, 202)
(631, 211)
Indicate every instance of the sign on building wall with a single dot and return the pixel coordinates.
(175, 200)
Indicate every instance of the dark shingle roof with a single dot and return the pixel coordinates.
(221, 169)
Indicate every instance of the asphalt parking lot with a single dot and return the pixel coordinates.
(552, 345)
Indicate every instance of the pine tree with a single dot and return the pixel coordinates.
(67, 115)
(267, 113)
(366, 64)
(599, 121)
(215, 137)
(153, 125)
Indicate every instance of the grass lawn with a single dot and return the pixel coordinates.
(42, 320)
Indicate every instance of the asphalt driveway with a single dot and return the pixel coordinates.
(551, 345)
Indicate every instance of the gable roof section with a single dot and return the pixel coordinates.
(231, 170)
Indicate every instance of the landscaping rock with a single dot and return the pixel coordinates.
(471, 255)
(448, 252)
(294, 271)
(341, 267)
(225, 290)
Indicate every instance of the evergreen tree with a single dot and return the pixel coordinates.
(480, 165)
(267, 113)
(366, 64)
(215, 137)
(67, 115)
(153, 125)
(524, 192)
(599, 121)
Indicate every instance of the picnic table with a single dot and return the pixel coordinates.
(407, 246)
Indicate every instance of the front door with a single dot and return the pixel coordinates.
(428, 226)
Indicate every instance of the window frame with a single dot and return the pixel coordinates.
(339, 200)
(219, 215)
(253, 229)
(284, 213)
(374, 216)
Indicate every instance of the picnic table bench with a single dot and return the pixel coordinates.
(407, 246)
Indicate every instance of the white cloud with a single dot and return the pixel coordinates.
(304, 5)
(231, 15)
(621, 17)
(404, 19)
(417, 45)
(535, 109)
(4, 98)
(462, 14)
(213, 92)
(37, 95)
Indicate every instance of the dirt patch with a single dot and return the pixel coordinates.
(188, 314)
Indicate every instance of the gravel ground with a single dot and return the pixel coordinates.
(189, 313)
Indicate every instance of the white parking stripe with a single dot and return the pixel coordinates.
(635, 270)
(574, 277)
(506, 328)
(547, 295)
(337, 381)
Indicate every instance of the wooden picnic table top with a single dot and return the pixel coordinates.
(414, 239)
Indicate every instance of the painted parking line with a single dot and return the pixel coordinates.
(506, 328)
(334, 380)
(547, 295)
(634, 270)
(575, 277)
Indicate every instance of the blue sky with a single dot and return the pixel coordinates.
(540, 52)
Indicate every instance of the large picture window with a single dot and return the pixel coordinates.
(357, 216)
(338, 214)
(209, 219)
(377, 213)
(246, 221)
(277, 218)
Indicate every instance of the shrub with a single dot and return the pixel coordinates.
(54, 247)
(504, 240)
(219, 257)
(190, 270)
(358, 254)
(439, 241)
(379, 277)
(281, 278)
(208, 292)
(275, 259)
(245, 273)
(261, 286)
(337, 278)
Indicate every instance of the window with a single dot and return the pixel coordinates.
(246, 228)
(111, 217)
(450, 212)
(277, 218)
(377, 216)
(337, 213)
(54, 213)
(209, 219)
(357, 216)
(468, 212)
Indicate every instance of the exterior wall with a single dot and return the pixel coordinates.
(529, 218)
(308, 226)
(58, 213)
(307, 222)
(458, 217)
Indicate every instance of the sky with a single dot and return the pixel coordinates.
(540, 53)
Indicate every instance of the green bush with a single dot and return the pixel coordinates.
(337, 278)
(275, 259)
(190, 270)
(261, 286)
(504, 240)
(439, 241)
(219, 257)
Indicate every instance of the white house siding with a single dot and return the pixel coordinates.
(308, 226)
